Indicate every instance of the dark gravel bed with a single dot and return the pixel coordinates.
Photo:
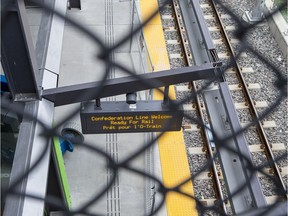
(167, 23)
(236, 47)
(252, 136)
(256, 95)
(268, 186)
(221, 48)
(216, 35)
(183, 95)
(171, 35)
(237, 96)
(204, 189)
(231, 78)
(174, 48)
(207, 11)
(229, 22)
(276, 136)
(193, 139)
(278, 155)
(244, 115)
(177, 63)
(237, 7)
(211, 23)
(166, 10)
(259, 158)
(275, 115)
(196, 162)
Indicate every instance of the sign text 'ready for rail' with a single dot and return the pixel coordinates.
(128, 122)
(124, 120)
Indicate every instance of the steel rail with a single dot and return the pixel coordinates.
(192, 85)
(249, 102)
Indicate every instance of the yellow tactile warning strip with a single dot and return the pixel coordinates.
(174, 161)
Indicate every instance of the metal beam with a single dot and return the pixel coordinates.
(85, 92)
(279, 209)
(194, 30)
(13, 205)
(242, 145)
(30, 143)
(17, 52)
(201, 43)
(202, 25)
(225, 123)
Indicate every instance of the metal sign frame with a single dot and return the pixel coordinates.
(119, 117)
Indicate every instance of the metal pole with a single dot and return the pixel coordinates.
(30, 143)
(166, 95)
(257, 10)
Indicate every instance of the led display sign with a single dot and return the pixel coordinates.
(117, 117)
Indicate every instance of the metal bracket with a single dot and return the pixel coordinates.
(256, 13)
(166, 96)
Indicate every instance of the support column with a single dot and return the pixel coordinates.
(18, 53)
(31, 143)
(256, 13)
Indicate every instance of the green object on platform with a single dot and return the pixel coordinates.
(61, 168)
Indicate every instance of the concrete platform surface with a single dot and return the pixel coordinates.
(87, 171)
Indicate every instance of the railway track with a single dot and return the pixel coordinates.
(209, 185)
(223, 22)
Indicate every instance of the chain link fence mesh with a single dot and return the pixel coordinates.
(106, 56)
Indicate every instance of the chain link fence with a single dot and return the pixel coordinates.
(115, 167)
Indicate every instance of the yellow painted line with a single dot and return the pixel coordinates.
(174, 161)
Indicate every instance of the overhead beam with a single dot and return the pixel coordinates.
(87, 91)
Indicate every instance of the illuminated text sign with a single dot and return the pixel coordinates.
(116, 117)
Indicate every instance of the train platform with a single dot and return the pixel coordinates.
(86, 171)
(174, 161)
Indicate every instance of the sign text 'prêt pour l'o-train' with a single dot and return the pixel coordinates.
(115, 117)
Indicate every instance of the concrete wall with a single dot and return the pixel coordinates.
(278, 27)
